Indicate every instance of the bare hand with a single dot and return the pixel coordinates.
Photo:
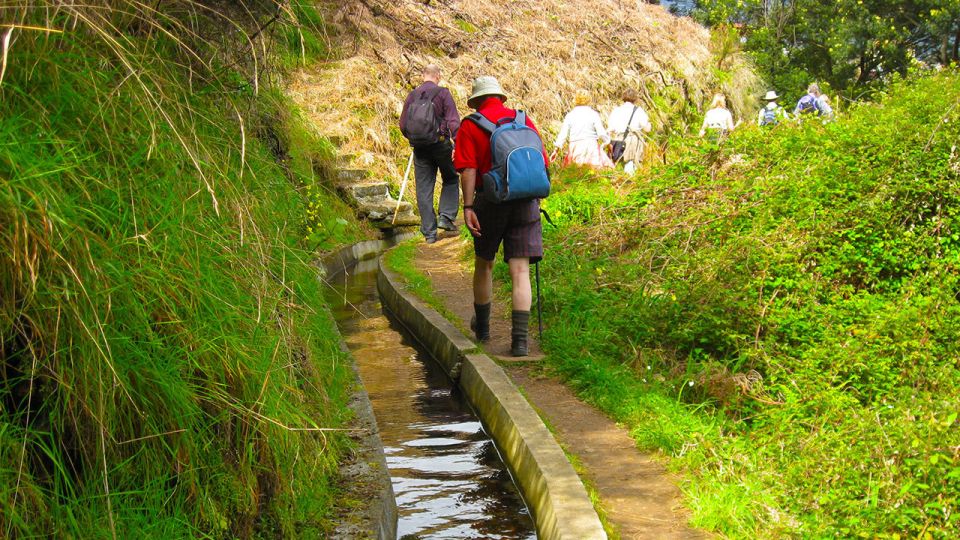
(471, 221)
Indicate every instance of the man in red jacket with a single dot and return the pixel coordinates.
(516, 224)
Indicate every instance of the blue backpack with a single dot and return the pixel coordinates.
(770, 116)
(519, 171)
(808, 104)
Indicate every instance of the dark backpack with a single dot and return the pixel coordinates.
(808, 105)
(422, 126)
(519, 171)
(618, 147)
(770, 116)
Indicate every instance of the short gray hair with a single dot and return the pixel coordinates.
(814, 89)
(432, 70)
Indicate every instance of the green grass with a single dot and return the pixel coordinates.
(779, 316)
(465, 25)
(167, 368)
(400, 259)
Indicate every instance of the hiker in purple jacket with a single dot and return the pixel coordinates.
(810, 103)
(430, 121)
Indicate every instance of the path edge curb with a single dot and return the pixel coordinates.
(551, 488)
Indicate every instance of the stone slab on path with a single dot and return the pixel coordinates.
(640, 497)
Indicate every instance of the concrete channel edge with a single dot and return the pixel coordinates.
(553, 491)
(365, 475)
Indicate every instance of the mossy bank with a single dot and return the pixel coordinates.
(168, 370)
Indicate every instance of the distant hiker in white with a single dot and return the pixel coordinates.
(827, 110)
(772, 113)
(718, 119)
(584, 129)
(625, 125)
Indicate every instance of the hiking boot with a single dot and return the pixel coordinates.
(518, 343)
(430, 239)
(480, 322)
(446, 224)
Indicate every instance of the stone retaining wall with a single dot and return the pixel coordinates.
(550, 486)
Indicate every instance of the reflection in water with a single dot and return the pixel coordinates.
(447, 475)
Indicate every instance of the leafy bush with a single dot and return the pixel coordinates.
(798, 288)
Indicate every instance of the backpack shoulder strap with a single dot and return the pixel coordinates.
(482, 122)
(630, 121)
(430, 94)
(521, 118)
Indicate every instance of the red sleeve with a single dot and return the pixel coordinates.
(466, 154)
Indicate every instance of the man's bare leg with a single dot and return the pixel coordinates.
(482, 281)
(520, 277)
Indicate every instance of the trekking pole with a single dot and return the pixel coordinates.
(536, 267)
(403, 186)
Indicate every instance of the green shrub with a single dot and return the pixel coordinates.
(797, 288)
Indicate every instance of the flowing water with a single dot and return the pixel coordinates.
(447, 475)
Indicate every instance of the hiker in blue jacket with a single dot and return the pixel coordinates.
(810, 103)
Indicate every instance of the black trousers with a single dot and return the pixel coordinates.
(427, 160)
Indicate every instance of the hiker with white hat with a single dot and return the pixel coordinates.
(514, 223)
(772, 113)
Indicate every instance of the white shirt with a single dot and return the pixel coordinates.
(718, 119)
(617, 121)
(825, 109)
(582, 123)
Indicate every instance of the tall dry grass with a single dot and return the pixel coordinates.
(165, 369)
(542, 52)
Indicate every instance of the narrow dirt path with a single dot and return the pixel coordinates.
(452, 283)
(640, 497)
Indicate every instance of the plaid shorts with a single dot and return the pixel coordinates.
(516, 224)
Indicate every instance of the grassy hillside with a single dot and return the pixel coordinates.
(542, 52)
(167, 369)
(781, 316)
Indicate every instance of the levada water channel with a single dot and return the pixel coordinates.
(447, 475)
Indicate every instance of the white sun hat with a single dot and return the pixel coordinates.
(771, 96)
(482, 87)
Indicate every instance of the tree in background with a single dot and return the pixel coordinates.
(850, 44)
